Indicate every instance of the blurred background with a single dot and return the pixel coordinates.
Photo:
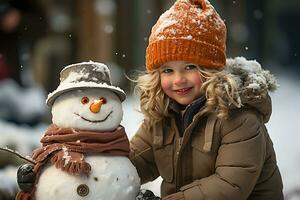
(39, 38)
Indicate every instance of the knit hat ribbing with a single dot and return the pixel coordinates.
(191, 30)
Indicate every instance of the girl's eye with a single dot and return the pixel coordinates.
(190, 67)
(166, 71)
(103, 100)
(84, 100)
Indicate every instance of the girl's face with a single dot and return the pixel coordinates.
(181, 81)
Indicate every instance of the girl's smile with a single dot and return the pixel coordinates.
(181, 81)
(183, 91)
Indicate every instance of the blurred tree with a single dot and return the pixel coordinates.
(255, 23)
(22, 22)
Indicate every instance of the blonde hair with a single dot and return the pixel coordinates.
(154, 102)
(221, 92)
(219, 88)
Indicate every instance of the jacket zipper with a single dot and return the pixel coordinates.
(178, 168)
(186, 133)
(180, 142)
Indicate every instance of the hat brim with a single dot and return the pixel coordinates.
(71, 86)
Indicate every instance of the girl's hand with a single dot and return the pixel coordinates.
(146, 195)
(175, 196)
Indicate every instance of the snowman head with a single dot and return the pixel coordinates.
(85, 98)
(88, 109)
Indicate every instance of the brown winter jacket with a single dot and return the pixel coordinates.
(215, 159)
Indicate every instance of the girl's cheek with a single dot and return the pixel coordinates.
(198, 80)
(165, 84)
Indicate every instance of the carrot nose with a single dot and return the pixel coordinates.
(96, 106)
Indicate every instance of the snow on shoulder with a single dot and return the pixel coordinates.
(249, 75)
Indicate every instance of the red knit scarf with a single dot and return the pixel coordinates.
(65, 148)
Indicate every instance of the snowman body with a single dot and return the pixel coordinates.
(111, 177)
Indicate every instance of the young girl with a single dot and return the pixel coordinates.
(204, 118)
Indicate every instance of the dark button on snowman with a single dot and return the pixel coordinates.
(84, 153)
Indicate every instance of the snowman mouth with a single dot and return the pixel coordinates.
(94, 121)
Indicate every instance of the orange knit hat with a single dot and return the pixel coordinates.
(192, 31)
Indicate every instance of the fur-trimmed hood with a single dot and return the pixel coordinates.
(253, 84)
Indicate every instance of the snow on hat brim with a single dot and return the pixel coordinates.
(66, 88)
(82, 76)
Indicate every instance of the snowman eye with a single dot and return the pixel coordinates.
(84, 100)
(103, 100)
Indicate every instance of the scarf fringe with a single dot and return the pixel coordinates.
(72, 167)
(23, 196)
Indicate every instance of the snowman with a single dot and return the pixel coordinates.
(84, 153)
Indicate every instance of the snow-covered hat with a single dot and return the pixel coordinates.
(84, 75)
(191, 30)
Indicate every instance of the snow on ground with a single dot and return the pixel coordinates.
(24, 138)
(21, 104)
(283, 128)
(8, 181)
(132, 118)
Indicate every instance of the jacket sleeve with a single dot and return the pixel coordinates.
(141, 154)
(239, 162)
